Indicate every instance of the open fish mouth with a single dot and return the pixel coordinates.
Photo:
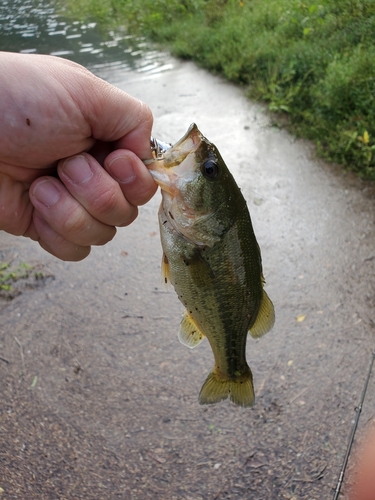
(166, 157)
(172, 155)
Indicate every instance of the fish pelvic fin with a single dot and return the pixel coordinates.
(165, 271)
(265, 319)
(216, 388)
(189, 334)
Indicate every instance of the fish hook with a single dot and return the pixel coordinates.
(158, 147)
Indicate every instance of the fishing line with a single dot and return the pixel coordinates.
(355, 425)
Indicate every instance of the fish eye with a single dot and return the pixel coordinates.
(210, 169)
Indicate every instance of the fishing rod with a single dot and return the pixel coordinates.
(358, 410)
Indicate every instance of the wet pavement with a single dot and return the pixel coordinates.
(98, 399)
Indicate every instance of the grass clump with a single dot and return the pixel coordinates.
(312, 60)
(9, 274)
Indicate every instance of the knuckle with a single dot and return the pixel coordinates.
(85, 231)
(111, 207)
(106, 201)
(75, 228)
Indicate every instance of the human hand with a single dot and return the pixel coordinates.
(363, 473)
(59, 126)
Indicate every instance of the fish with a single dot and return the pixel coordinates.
(212, 259)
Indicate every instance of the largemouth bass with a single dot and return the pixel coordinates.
(212, 259)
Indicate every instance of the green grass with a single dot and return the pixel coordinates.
(10, 274)
(312, 60)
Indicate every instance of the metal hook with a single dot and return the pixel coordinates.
(159, 147)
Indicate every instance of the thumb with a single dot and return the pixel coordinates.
(116, 116)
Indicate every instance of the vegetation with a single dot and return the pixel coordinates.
(10, 274)
(313, 60)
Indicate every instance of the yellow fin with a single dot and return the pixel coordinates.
(165, 271)
(189, 334)
(216, 388)
(265, 319)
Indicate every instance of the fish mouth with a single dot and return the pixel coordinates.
(169, 166)
(186, 145)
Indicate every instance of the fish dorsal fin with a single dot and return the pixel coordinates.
(189, 334)
(165, 271)
(265, 319)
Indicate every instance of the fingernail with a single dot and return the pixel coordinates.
(122, 170)
(47, 193)
(77, 169)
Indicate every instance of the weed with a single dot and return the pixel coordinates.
(312, 60)
(9, 275)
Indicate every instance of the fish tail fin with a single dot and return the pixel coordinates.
(240, 389)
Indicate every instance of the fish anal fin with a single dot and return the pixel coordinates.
(216, 388)
(265, 319)
(189, 334)
(165, 270)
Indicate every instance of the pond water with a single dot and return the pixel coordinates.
(32, 26)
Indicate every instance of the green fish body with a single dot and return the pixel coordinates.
(213, 261)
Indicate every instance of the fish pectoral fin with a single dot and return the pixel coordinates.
(189, 334)
(216, 388)
(265, 319)
(200, 270)
(165, 270)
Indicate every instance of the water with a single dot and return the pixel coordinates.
(31, 26)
